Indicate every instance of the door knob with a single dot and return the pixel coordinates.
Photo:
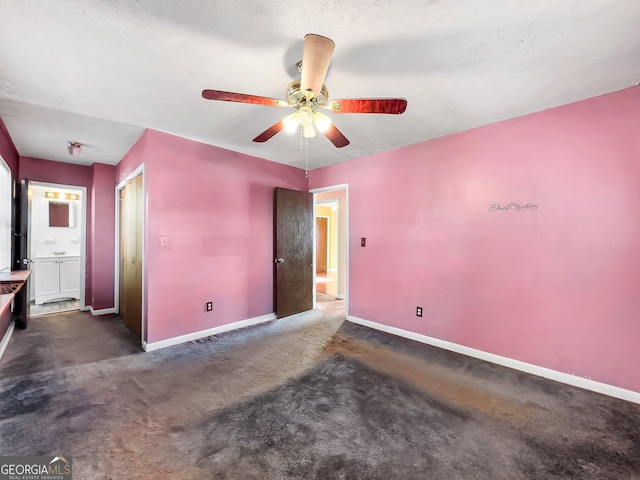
(279, 260)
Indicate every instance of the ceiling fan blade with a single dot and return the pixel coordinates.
(367, 105)
(316, 56)
(243, 98)
(269, 132)
(336, 136)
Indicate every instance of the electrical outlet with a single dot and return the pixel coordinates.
(418, 311)
(209, 306)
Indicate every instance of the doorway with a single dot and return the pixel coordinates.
(326, 248)
(331, 249)
(322, 242)
(57, 247)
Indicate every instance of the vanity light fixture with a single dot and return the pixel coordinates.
(62, 196)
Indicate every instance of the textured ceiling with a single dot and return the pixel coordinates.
(101, 71)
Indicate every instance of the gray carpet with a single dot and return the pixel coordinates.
(307, 397)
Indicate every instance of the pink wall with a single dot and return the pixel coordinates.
(557, 286)
(101, 233)
(216, 207)
(8, 150)
(99, 180)
(39, 170)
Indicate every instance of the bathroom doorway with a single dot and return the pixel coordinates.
(58, 251)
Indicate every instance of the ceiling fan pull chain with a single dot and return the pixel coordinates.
(306, 158)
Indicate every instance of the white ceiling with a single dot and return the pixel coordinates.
(101, 71)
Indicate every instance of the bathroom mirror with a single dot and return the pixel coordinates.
(61, 214)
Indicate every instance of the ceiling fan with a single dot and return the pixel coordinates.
(309, 95)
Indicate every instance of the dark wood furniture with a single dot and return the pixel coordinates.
(5, 313)
(15, 284)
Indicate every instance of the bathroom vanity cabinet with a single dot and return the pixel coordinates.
(56, 278)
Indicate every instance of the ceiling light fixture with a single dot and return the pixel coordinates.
(75, 149)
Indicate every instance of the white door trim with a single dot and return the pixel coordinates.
(83, 233)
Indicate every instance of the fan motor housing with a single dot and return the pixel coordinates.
(295, 96)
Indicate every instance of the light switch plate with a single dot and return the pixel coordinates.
(164, 241)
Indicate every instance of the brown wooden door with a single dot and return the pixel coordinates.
(294, 252)
(131, 224)
(322, 232)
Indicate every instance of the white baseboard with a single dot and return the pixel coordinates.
(7, 336)
(149, 347)
(584, 383)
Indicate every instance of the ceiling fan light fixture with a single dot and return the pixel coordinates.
(308, 131)
(305, 116)
(322, 121)
(291, 122)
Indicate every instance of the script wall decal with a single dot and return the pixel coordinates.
(517, 206)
